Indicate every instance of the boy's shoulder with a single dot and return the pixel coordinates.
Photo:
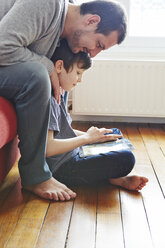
(53, 101)
(55, 105)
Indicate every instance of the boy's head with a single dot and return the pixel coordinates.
(69, 66)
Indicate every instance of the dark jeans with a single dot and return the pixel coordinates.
(28, 86)
(95, 169)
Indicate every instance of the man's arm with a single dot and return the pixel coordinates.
(25, 23)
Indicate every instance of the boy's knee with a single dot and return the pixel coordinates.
(129, 161)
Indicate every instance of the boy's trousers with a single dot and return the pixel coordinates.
(95, 169)
(28, 86)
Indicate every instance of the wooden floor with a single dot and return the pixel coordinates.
(103, 217)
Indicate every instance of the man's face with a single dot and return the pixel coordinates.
(91, 42)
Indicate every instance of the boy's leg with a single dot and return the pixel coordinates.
(95, 169)
(135, 183)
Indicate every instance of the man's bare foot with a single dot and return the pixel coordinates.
(52, 190)
(134, 183)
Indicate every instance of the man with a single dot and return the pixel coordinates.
(29, 33)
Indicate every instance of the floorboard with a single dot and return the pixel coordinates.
(83, 223)
(152, 194)
(56, 225)
(109, 218)
(100, 217)
(8, 183)
(29, 224)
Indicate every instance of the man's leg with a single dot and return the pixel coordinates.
(28, 86)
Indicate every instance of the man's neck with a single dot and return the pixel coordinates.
(72, 19)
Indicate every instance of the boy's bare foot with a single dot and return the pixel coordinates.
(134, 183)
(52, 190)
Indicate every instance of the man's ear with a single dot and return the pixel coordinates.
(92, 19)
(59, 66)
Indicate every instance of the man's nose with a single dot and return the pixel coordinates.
(94, 52)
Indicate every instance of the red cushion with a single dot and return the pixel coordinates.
(9, 154)
(8, 122)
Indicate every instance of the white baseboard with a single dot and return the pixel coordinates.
(94, 118)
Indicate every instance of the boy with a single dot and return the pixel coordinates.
(63, 142)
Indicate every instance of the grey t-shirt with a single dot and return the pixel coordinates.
(30, 30)
(60, 123)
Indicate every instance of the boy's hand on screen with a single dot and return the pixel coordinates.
(95, 135)
(55, 85)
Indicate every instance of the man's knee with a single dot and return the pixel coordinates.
(25, 79)
(36, 80)
(38, 74)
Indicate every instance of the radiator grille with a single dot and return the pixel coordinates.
(122, 88)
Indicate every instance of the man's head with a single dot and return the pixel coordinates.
(98, 25)
(112, 17)
(69, 66)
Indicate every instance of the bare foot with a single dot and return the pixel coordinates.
(134, 183)
(52, 190)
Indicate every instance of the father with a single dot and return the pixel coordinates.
(29, 33)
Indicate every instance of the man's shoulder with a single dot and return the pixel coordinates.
(50, 2)
(42, 4)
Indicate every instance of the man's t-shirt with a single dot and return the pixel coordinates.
(60, 123)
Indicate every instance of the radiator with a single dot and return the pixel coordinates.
(121, 88)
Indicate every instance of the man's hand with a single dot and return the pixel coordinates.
(55, 85)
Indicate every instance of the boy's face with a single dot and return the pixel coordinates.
(70, 79)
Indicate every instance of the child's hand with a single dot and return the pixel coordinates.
(95, 135)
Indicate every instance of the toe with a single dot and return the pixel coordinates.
(61, 197)
(71, 193)
(139, 187)
(55, 196)
(66, 196)
(47, 195)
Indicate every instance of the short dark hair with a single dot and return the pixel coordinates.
(113, 17)
(64, 53)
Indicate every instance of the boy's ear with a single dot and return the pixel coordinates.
(92, 19)
(59, 66)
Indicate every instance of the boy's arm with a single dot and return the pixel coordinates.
(78, 132)
(59, 146)
(93, 134)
